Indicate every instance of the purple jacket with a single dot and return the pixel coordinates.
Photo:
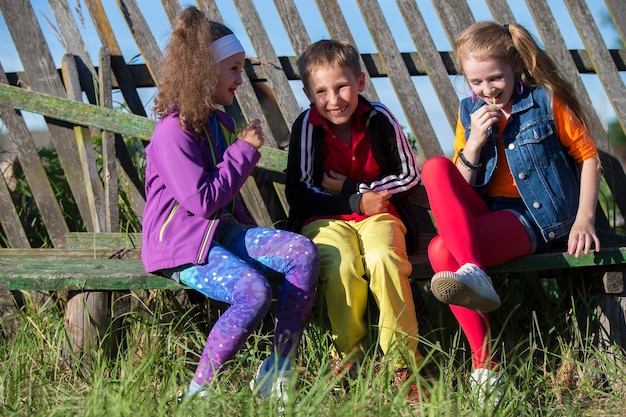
(186, 191)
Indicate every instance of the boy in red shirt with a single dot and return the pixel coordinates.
(349, 175)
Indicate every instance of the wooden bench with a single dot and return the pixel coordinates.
(121, 269)
(101, 262)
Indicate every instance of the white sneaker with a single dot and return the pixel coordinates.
(468, 287)
(488, 386)
(205, 392)
(271, 383)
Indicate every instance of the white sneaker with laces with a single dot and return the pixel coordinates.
(271, 382)
(468, 287)
(488, 386)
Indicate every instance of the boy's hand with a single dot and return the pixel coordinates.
(253, 134)
(375, 202)
(333, 182)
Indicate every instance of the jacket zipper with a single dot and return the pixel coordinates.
(167, 221)
(206, 239)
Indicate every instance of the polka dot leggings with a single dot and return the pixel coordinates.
(233, 274)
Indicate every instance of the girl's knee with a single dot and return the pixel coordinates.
(306, 251)
(433, 166)
(255, 293)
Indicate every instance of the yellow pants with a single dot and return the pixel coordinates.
(368, 255)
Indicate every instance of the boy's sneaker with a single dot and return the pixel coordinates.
(468, 287)
(403, 379)
(488, 386)
(271, 382)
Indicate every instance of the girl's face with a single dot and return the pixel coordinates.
(491, 79)
(230, 78)
(334, 91)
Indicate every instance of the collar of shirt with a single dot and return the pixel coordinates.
(315, 118)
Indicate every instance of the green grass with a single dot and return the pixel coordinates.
(552, 365)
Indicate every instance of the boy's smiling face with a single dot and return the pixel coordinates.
(334, 91)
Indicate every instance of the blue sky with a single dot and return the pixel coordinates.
(316, 29)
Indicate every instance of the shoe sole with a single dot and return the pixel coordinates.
(447, 288)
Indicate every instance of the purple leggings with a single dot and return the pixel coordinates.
(233, 274)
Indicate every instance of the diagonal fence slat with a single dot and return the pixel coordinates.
(602, 62)
(338, 29)
(430, 59)
(400, 79)
(555, 45)
(43, 76)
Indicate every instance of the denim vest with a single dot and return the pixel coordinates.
(542, 170)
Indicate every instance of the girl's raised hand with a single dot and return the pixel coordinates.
(253, 134)
(482, 120)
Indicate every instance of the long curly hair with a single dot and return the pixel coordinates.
(188, 75)
(514, 44)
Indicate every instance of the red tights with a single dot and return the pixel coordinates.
(469, 232)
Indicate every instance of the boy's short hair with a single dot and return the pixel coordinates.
(328, 52)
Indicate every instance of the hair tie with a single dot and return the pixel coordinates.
(506, 30)
(226, 46)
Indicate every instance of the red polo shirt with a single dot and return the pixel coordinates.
(354, 160)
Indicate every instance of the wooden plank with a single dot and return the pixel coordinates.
(294, 26)
(555, 45)
(266, 53)
(128, 89)
(90, 253)
(602, 62)
(76, 112)
(454, 15)
(83, 240)
(105, 119)
(430, 59)
(172, 9)
(255, 204)
(338, 29)
(551, 261)
(10, 220)
(414, 111)
(86, 152)
(372, 64)
(615, 177)
(109, 166)
(501, 11)
(140, 30)
(32, 48)
(246, 99)
(79, 274)
(36, 176)
(618, 14)
(118, 65)
(76, 46)
(88, 77)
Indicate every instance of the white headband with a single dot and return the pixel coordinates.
(226, 46)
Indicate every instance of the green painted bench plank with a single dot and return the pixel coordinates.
(108, 269)
(540, 262)
(46, 274)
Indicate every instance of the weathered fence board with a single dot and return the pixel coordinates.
(43, 76)
(552, 38)
(338, 29)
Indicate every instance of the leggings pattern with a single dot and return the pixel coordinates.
(233, 274)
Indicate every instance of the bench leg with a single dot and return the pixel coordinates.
(87, 319)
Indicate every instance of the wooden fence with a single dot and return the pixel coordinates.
(267, 92)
